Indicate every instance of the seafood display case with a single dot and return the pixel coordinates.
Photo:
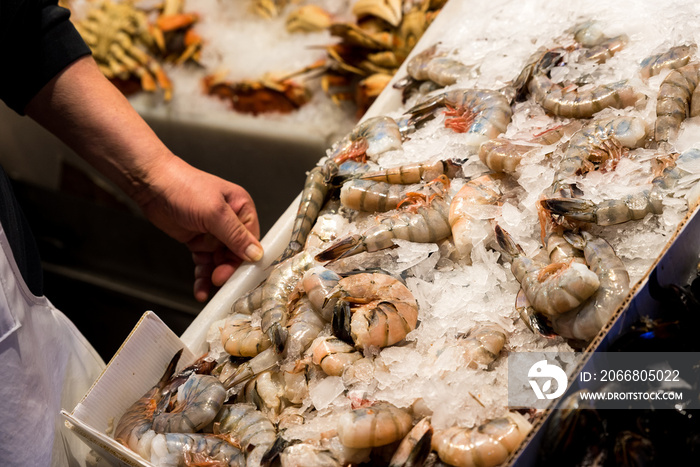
(633, 224)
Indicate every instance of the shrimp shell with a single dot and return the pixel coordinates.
(371, 137)
(276, 291)
(483, 345)
(199, 400)
(598, 135)
(175, 449)
(433, 65)
(675, 57)
(415, 447)
(414, 173)
(318, 282)
(585, 322)
(377, 425)
(386, 313)
(304, 326)
(370, 196)
(674, 103)
(557, 100)
(487, 115)
(249, 427)
(249, 302)
(601, 52)
(488, 445)
(464, 225)
(609, 212)
(333, 355)
(241, 339)
(534, 320)
(501, 155)
(313, 196)
(421, 224)
(552, 289)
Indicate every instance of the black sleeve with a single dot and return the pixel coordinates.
(20, 238)
(38, 42)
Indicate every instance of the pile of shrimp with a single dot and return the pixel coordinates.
(475, 221)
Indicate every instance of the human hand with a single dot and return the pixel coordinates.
(215, 218)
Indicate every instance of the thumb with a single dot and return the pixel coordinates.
(237, 238)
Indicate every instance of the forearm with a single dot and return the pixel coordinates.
(94, 119)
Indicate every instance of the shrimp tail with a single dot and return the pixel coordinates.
(575, 240)
(506, 242)
(346, 247)
(342, 316)
(577, 209)
(419, 453)
(275, 450)
(278, 337)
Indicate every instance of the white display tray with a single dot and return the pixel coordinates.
(90, 419)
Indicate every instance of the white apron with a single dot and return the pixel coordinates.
(46, 364)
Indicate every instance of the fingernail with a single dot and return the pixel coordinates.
(254, 252)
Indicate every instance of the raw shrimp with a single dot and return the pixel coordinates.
(380, 424)
(415, 447)
(602, 51)
(677, 101)
(539, 63)
(304, 326)
(556, 133)
(483, 345)
(466, 224)
(583, 323)
(370, 138)
(488, 445)
(135, 427)
(249, 428)
(551, 289)
(373, 309)
(613, 211)
(275, 295)
(479, 113)
(333, 355)
(241, 339)
(559, 250)
(198, 402)
(589, 33)
(415, 173)
(371, 196)
(534, 320)
(318, 282)
(599, 141)
(266, 391)
(434, 65)
(631, 207)
(571, 103)
(502, 155)
(326, 452)
(416, 223)
(135, 430)
(249, 302)
(313, 196)
(265, 360)
(187, 449)
(675, 57)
